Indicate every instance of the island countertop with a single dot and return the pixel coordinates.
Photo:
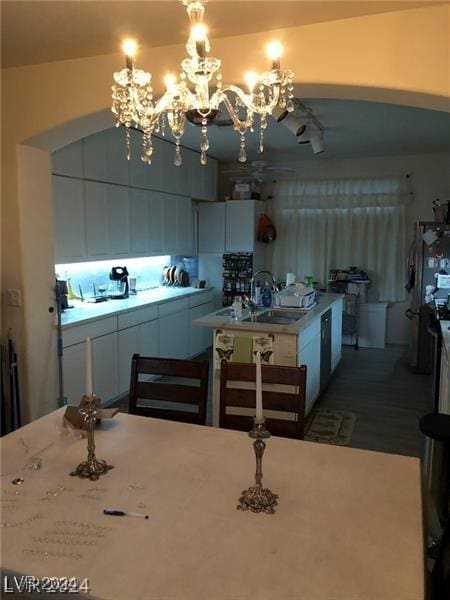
(217, 321)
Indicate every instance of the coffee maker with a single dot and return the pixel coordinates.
(118, 288)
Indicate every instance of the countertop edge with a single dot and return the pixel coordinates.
(145, 302)
(325, 302)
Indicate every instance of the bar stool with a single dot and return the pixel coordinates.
(436, 426)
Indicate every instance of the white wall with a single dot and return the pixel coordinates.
(430, 179)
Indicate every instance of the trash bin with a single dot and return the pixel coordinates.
(436, 459)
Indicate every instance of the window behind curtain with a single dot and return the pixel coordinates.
(325, 225)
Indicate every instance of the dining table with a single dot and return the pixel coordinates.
(348, 524)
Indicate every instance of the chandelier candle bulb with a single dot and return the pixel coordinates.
(88, 367)
(259, 406)
(274, 52)
(129, 48)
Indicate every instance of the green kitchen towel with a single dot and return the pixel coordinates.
(243, 349)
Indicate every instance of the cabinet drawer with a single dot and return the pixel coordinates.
(200, 298)
(134, 317)
(78, 333)
(309, 333)
(173, 306)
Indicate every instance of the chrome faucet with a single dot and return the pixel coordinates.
(275, 287)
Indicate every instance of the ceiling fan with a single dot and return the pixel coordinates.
(257, 170)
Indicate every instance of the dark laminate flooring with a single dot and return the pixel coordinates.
(387, 398)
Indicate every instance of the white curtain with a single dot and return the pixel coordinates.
(325, 225)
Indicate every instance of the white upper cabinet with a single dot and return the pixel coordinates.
(144, 175)
(170, 223)
(185, 225)
(155, 223)
(176, 179)
(69, 160)
(211, 227)
(139, 222)
(105, 157)
(69, 219)
(107, 221)
(242, 224)
(203, 178)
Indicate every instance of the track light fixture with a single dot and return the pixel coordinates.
(307, 129)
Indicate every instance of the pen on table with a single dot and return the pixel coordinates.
(81, 293)
(121, 513)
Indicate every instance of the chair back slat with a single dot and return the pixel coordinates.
(173, 393)
(154, 390)
(233, 395)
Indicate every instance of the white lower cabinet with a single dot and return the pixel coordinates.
(74, 366)
(309, 355)
(200, 338)
(174, 335)
(336, 333)
(104, 366)
(141, 339)
(104, 369)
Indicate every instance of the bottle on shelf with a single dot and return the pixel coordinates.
(257, 298)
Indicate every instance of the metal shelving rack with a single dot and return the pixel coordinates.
(350, 315)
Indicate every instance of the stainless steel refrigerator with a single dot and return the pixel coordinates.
(429, 265)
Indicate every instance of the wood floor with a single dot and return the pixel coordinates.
(387, 398)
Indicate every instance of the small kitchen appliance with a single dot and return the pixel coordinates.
(118, 288)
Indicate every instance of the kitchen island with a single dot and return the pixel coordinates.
(313, 338)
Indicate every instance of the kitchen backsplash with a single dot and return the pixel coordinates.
(147, 271)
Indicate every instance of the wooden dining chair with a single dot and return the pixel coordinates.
(169, 400)
(233, 395)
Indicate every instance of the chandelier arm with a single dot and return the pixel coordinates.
(237, 122)
(248, 101)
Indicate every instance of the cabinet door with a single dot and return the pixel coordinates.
(310, 356)
(69, 219)
(176, 179)
(200, 338)
(97, 235)
(128, 345)
(74, 369)
(105, 157)
(118, 221)
(69, 160)
(174, 335)
(184, 225)
(139, 222)
(336, 334)
(211, 180)
(240, 226)
(107, 220)
(170, 224)
(211, 227)
(444, 386)
(144, 175)
(148, 338)
(155, 222)
(104, 366)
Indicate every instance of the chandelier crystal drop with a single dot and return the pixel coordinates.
(198, 95)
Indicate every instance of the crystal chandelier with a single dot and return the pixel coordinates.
(198, 95)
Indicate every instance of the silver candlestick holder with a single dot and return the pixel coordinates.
(93, 467)
(256, 498)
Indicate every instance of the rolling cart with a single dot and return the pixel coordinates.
(350, 315)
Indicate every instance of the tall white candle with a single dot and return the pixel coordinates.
(88, 367)
(259, 406)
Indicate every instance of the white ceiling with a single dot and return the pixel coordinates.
(36, 31)
(352, 129)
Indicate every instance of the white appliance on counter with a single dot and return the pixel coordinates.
(296, 296)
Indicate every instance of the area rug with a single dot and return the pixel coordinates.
(329, 426)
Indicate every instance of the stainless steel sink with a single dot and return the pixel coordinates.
(277, 317)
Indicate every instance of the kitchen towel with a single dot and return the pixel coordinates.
(243, 346)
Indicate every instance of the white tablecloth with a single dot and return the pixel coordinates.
(348, 525)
